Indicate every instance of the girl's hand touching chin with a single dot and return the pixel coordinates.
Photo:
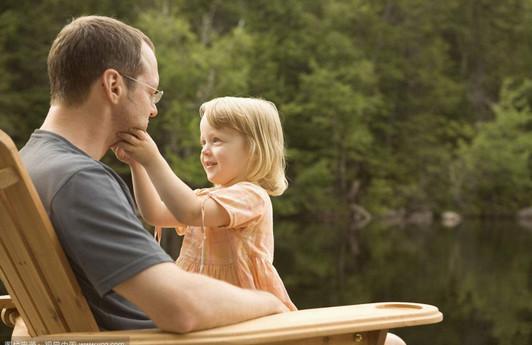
(137, 144)
(121, 155)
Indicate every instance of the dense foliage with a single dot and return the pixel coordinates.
(390, 105)
(393, 106)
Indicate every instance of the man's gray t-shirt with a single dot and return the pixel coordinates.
(94, 217)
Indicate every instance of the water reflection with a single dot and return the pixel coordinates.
(479, 275)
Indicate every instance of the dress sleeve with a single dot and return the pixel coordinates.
(244, 202)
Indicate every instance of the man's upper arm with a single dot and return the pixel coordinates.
(179, 301)
(100, 232)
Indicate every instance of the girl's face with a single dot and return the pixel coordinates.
(224, 154)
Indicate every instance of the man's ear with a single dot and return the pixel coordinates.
(112, 83)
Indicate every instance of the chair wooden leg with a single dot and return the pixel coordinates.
(362, 338)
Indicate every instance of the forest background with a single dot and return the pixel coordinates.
(394, 107)
(401, 109)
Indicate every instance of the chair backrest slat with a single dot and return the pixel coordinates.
(34, 268)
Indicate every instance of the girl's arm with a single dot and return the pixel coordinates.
(151, 207)
(178, 197)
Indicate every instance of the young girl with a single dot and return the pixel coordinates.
(228, 228)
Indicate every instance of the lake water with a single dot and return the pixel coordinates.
(478, 274)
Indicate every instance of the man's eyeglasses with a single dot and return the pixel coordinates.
(155, 96)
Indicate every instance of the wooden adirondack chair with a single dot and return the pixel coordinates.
(44, 291)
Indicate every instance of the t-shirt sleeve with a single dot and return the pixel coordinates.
(100, 232)
(244, 202)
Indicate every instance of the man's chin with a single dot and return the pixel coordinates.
(142, 128)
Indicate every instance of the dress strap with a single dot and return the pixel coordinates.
(203, 234)
(158, 233)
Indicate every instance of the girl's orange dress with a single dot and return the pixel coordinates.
(242, 252)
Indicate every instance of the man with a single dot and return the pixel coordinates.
(103, 79)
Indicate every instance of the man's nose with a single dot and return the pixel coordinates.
(154, 111)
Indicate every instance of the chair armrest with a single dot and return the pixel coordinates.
(8, 311)
(6, 302)
(365, 323)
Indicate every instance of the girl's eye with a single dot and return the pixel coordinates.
(216, 140)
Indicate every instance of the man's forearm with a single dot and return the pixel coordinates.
(179, 301)
(218, 303)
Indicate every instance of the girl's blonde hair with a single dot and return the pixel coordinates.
(258, 121)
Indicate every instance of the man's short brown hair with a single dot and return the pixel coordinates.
(85, 48)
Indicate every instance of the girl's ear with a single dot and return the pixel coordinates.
(112, 83)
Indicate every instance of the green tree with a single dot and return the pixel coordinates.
(497, 166)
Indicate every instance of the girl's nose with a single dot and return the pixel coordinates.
(205, 149)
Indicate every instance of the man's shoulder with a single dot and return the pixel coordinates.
(49, 152)
(51, 162)
(53, 158)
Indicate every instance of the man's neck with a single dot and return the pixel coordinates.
(85, 129)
